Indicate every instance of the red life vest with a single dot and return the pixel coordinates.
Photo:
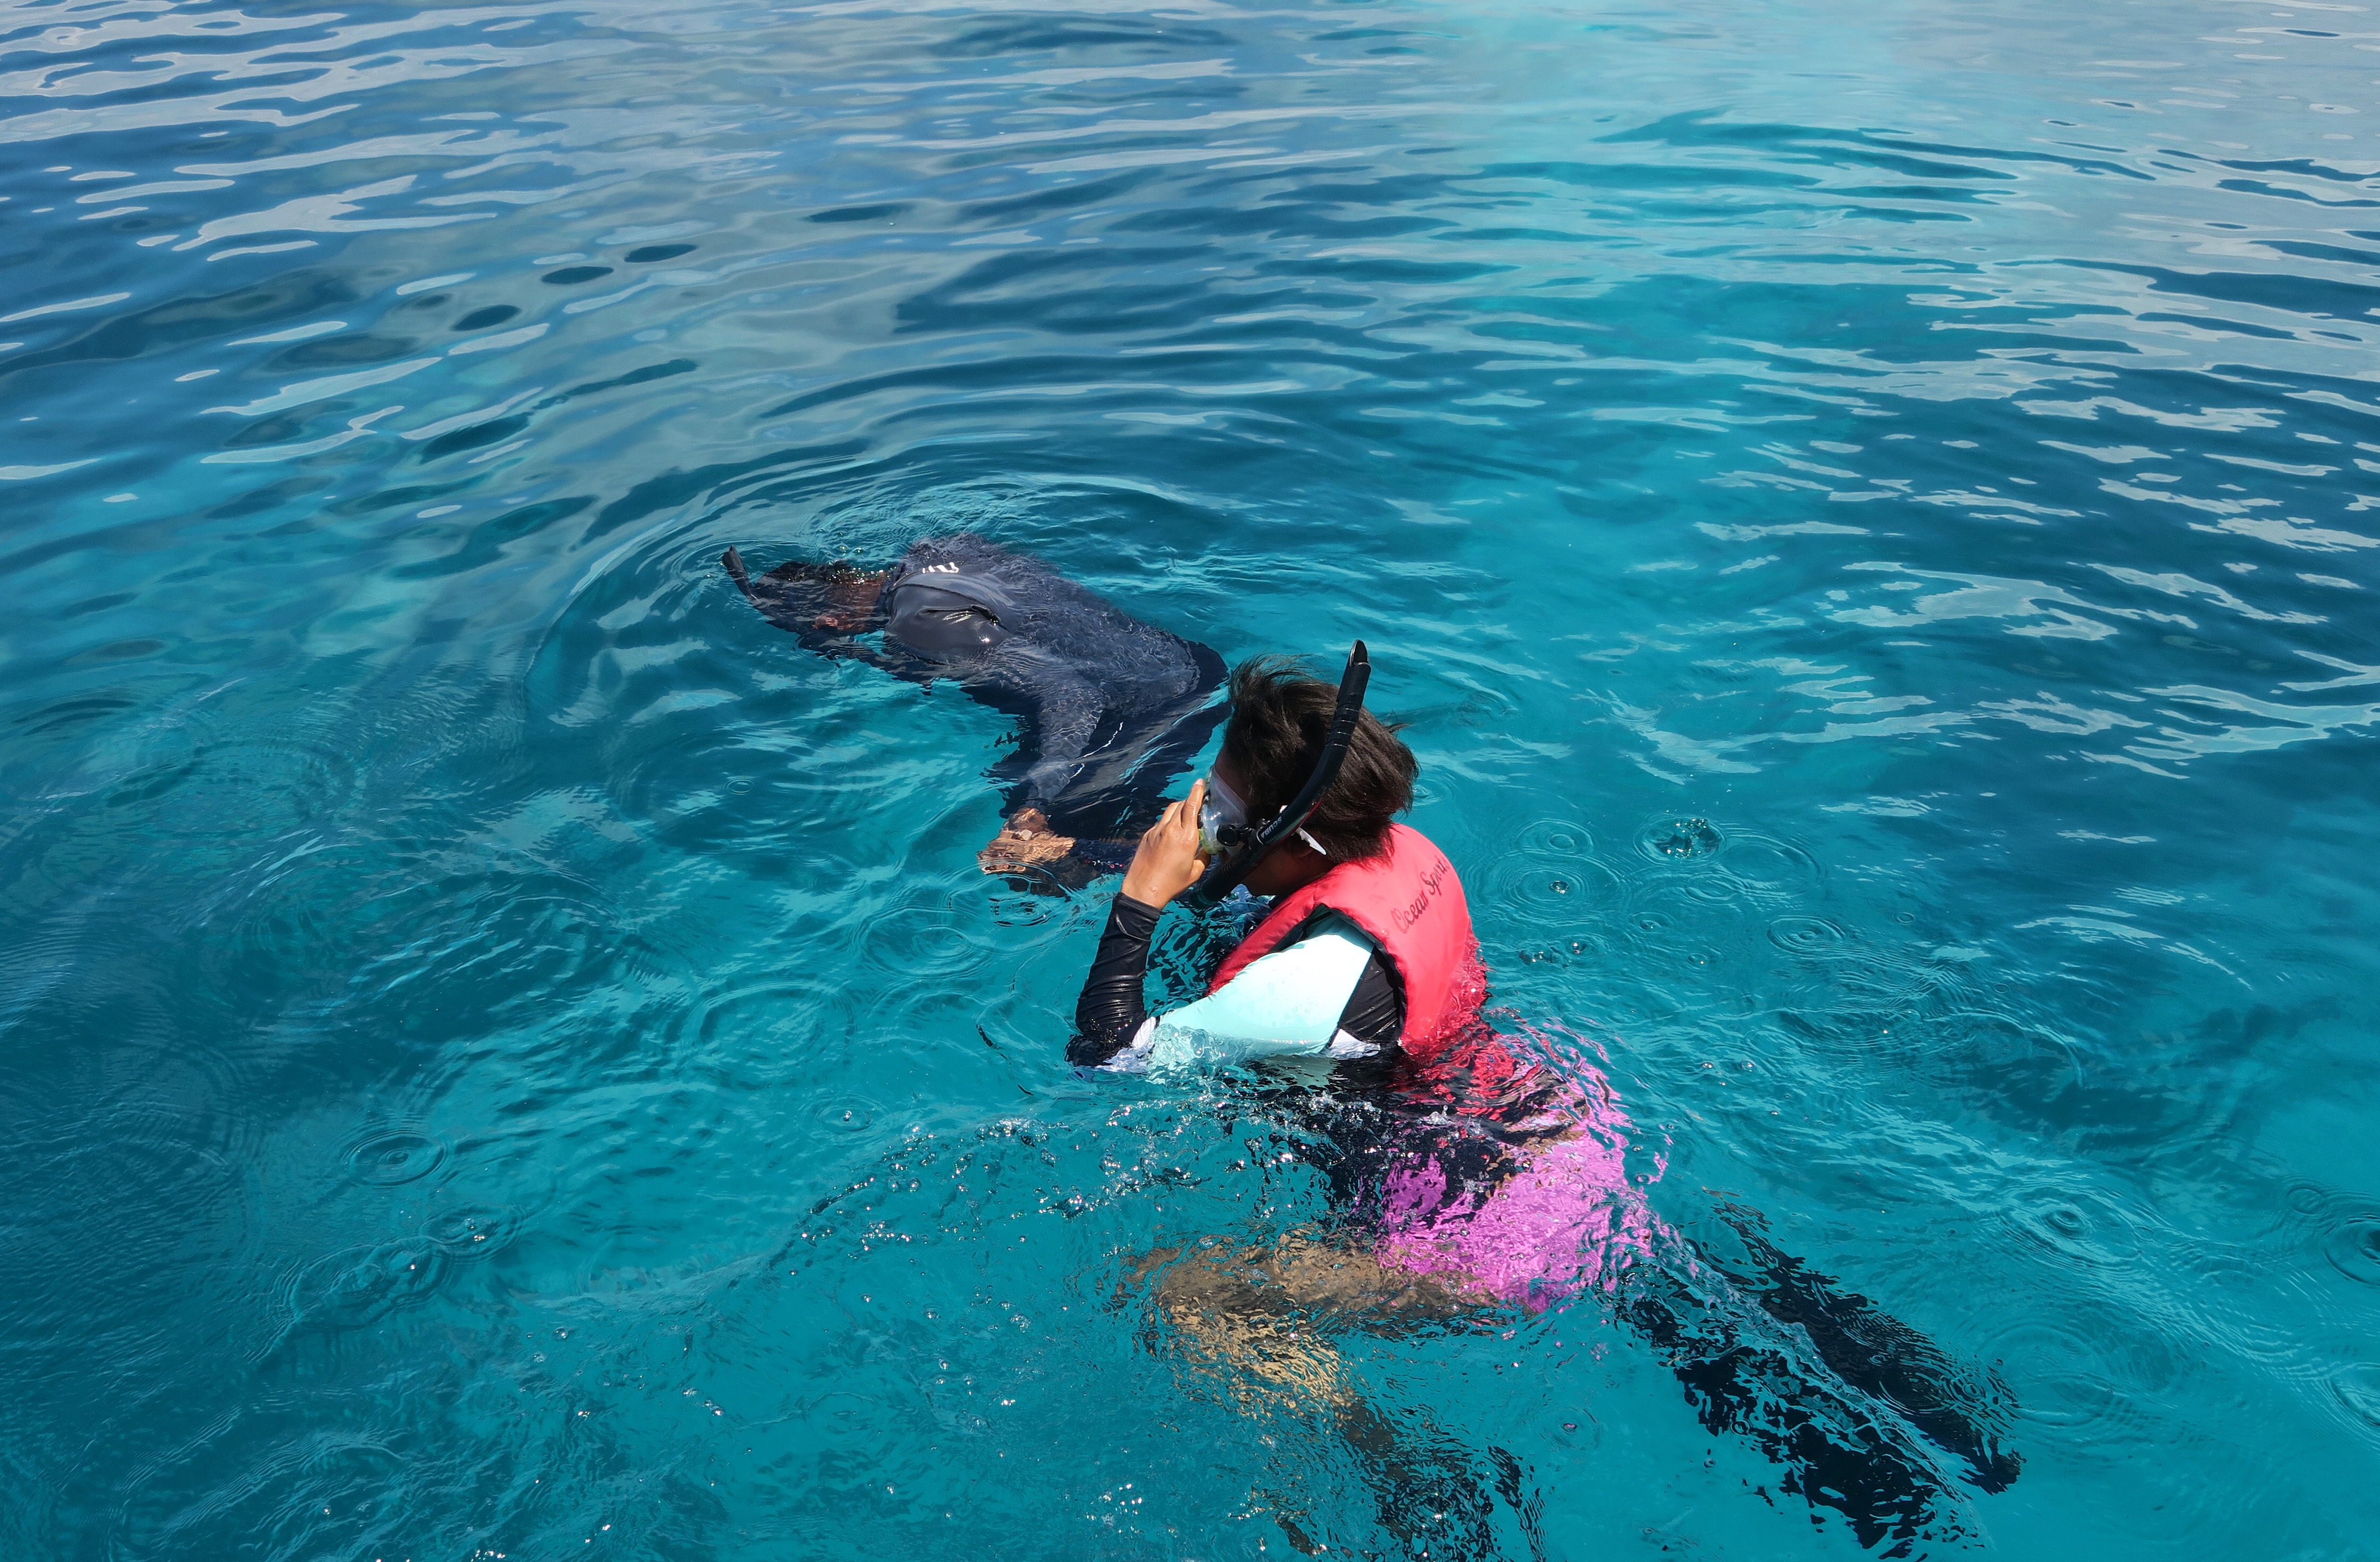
(1411, 904)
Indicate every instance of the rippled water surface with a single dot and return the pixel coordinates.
(1863, 508)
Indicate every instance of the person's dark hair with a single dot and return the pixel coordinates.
(1281, 718)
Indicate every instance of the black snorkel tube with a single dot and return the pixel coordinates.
(1244, 845)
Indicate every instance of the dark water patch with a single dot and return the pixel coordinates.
(148, 785)
(341, 351)
(280, 429)
(653, 254)
(1382, 271)
(120, 650)
(2305, 166)
(1623, 178)
(1701, 127)
(1065, 198)
(1069, 292)
(289, 928)
(644, 376)
(484, 542)
(491, 315)
(69, 714)
(1035, 34)
(881, 212)
(2318, 297)
(1695, 128)
(2258, 186)
(572, 276)
(478, 436)
(400, 498)
(2212, 322)
(1317, 220)
(2000, 1058)
(1947, 195)
(289, 296)
(270, 496)
(2324, 252)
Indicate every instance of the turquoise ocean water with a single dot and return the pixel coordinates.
(1868, 511)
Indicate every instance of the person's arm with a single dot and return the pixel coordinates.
(1061, 715)
(1326, 993)
(1110, 1013)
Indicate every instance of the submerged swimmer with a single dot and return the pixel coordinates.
(1465, 1175)
(1112, 708)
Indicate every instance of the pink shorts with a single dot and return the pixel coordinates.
(1568, 1219)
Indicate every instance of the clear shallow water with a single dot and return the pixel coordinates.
(503, 1056)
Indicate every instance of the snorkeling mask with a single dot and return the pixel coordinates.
(1220, 811)
(1234, 845)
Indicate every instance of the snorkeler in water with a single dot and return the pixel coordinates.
(1110, 709)
(1466, 1175)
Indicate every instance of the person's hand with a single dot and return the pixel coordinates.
(1024, 839)
(1167, 861)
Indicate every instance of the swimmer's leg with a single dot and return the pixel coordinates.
(1529, 1505)
(1835, 1452)
(1424, 1488)
(1261, 1313)
(1426, 1498)
(1878, 1354)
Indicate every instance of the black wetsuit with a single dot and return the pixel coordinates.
(1112, 708)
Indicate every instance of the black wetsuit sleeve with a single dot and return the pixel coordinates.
(1376, 1010)
(1112, 1006)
